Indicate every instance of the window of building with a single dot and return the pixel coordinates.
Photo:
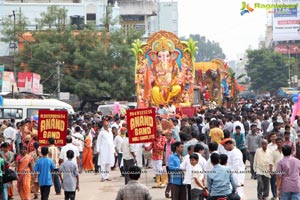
(91, 16)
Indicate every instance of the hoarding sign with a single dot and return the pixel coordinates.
(286, 21)
(25, 81)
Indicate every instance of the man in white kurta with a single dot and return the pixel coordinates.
(105, 150)
(235, 162)
(10, 135)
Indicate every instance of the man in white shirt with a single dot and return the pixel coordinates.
(78, 140)
(187, 167)
(171, 109)
(235, 162)
(271, 126)
(105, 149)
(197, 178)
(199, 150)
(228, 124)
(67, 147)
(117, 124)
(118, 144)
(9, 135)
(213, 148)
(129, 157)
(276, 156)
(238, 122)
(175, 131)
(272, 145)
(262, 162)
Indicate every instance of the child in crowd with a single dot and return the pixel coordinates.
(44, 168)
(70, 178)
(198, 180)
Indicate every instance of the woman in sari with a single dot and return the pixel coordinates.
(36, 154)
(87, 154)
(24, 166)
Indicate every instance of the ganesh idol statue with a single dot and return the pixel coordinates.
(165, 71)
(162, 77)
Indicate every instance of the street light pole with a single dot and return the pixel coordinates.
(289, 54)
(296, 49)
(13, 45)
(58, 80)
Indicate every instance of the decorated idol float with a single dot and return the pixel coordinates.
(165, 72)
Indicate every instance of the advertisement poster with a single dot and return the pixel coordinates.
(286, 21)
(52, 123)
(29, 82)
(25, 81)
(36, 83)
(8, 82)
(141, 125)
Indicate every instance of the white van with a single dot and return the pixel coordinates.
(20, 109)
(109, 108)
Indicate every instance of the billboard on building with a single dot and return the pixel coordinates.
(8, 82)
(287, 49)
(286, 21)
(36, 83)
(25, 81)
(29, 82)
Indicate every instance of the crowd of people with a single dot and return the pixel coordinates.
(199, 157)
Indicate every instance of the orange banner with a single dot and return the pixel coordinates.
(52, 123)
(141, 125)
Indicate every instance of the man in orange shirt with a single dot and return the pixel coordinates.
(216, 134)
(157, 157)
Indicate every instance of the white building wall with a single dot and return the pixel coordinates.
(33, 11)
(166, 19)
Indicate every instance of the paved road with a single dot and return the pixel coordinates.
(92, 189)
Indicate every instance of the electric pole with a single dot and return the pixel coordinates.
(13, 45)
(58, 77)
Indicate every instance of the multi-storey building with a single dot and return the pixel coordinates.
(78, 11)
(166, 18)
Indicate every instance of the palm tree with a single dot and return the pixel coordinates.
(137, 49)
(192, 48)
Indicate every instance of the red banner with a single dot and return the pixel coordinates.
(25, 81)
(29, 82)
(141, 125)
(287, 49)
(52, 123)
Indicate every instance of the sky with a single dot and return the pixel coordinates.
(221, 21)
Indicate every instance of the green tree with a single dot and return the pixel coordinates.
(267, 69)
(207, 50)
(13, 26)
(96, 65)
(54, 17)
